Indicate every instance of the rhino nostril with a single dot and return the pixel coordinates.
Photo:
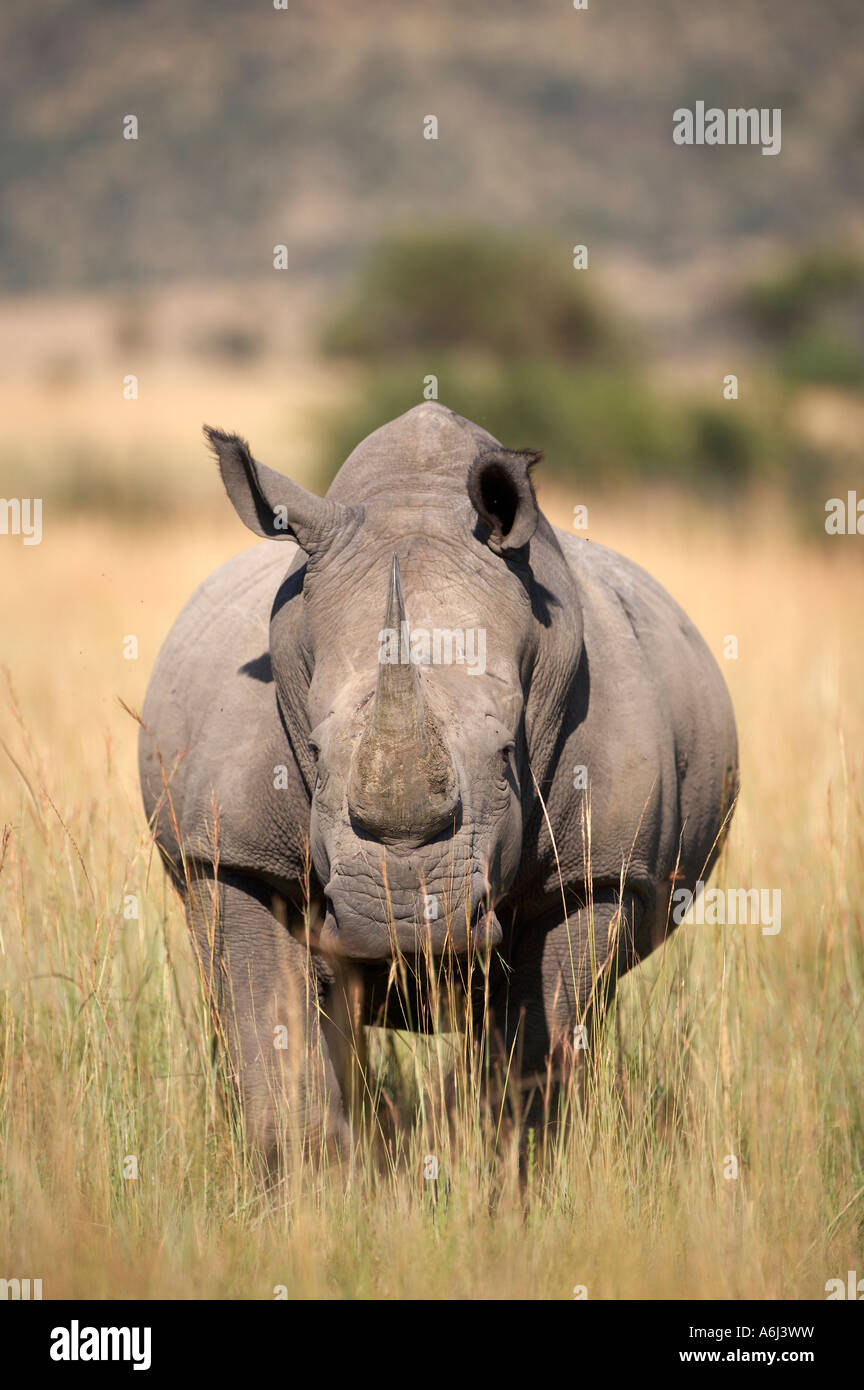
(487, 933)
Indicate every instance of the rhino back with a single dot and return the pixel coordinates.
(212, 725)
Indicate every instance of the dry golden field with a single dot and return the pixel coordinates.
(242, 215)
(728, 1042)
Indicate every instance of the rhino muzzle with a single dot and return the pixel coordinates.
(346, 932)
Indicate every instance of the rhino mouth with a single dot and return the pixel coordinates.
(347, 931)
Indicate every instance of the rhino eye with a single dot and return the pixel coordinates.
(313, 749)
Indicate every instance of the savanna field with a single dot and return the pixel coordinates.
(727, 1042)
(244, 216)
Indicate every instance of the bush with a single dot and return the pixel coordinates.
(824, 359)
(600, 427)
(518, 345)
(725, 443)
(812, 314)
(472, 291)
(782, 306)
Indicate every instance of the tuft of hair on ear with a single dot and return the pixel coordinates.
(241, 478)
(218, 441)
(531, 456)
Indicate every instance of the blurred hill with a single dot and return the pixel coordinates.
(304, 127)
(152, 259)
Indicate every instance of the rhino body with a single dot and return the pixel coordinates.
(326, 806)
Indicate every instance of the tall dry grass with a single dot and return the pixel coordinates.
(728, 1042)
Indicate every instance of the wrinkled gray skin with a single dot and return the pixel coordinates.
(416, 787)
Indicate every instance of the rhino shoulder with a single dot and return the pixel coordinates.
(212, 727)
(657, 620)
(657, 713)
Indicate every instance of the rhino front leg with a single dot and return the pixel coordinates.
(563, 977)
(263, 994)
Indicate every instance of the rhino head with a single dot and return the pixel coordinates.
(404, 692)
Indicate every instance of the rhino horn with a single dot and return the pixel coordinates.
(398, 711)
(403, 784)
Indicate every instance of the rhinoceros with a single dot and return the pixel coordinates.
(418, 728)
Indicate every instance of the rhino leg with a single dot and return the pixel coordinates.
(563, 978)
(265, 1001)
(342, 1025)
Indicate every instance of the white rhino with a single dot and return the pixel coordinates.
(327, 795)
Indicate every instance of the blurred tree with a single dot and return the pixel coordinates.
(812, 315)
(470, 290)
(783, 305)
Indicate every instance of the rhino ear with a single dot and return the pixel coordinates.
(272, 505)
(502, 493)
